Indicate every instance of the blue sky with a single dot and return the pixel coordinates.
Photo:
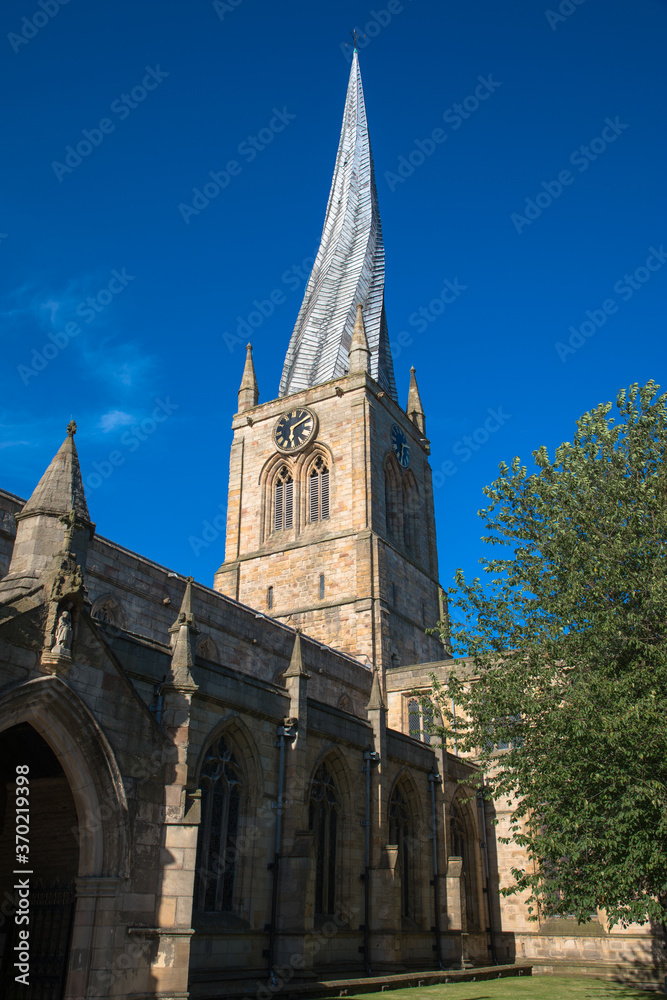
(541, 206)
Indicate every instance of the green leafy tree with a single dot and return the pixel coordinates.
(567, 642)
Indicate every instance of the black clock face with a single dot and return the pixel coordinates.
(294, 429)
(400, 446)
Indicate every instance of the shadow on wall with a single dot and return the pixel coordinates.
(505, 942)
(643, 970)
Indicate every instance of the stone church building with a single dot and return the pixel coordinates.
(237, 783)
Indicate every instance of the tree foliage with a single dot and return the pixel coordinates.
(568, 647)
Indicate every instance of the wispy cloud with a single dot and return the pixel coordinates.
(113, 419)
(123, 364)
(30, 304)
(12, 444)
(108, 355)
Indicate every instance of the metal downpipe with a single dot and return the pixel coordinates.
(485, 849)
(370, 757)
(285, 732)
(435, 779)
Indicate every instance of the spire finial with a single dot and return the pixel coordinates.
(248, 391)
(376, 700)
(185, 632)
(71, 428)
(296, 667)
(359, 351)
(186, 614)
(414, 409)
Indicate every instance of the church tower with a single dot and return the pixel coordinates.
(330, 521)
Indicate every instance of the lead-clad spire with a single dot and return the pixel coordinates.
(348, 269)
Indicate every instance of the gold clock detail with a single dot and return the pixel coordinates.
(295, 429)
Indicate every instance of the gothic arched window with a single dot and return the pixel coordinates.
(318, 491)
(283, 500)
(345, 703)
(400, 832)
(427, 721)
(107, 610)
(414, 719)
(410, 498)
(207, 649)
(461, 846)
(420, 720)
(392, 487)
(220, 813)
(323, 821)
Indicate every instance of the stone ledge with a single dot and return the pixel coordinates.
(352, 986)
(626, 973)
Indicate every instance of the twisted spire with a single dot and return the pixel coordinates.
(348, 269)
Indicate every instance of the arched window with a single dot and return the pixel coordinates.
(461, 846)
(427, 722)
(318, 491)
(414, 719)
(345, 703)
(107, 610)
(323, 821)
(392, 488)
(410, 503)
(387, 504)
(283, 500)
(105, 614)
(400, 834)
(216, 844)
(420, 720)
(207, 649)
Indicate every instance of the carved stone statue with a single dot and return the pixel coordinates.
(63, 641)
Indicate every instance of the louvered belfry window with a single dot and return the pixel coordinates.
(283, 508)
(318, 496)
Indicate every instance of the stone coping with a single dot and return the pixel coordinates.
(351, 986)
(642, 976)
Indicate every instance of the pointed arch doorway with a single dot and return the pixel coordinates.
(53, 861)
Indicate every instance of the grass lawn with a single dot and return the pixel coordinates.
(519, 988)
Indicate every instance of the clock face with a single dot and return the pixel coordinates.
(400, 446)
(294, 429)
